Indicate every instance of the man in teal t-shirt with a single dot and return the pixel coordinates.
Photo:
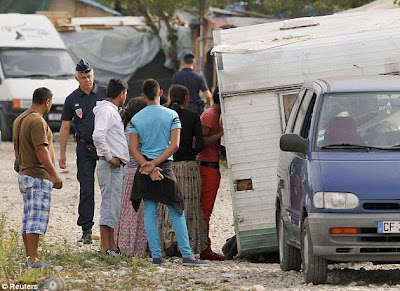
(154, 125)
(158, 129)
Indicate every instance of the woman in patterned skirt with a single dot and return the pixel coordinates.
(129, 234)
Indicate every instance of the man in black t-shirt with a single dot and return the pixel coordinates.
(78, 107)
(194, 82)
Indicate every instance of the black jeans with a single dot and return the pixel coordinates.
(86, 162)
(196, 107)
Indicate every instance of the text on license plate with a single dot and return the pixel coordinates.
(388, 226)
(54, 116)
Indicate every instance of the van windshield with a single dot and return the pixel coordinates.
(31, 63)
(366, 119)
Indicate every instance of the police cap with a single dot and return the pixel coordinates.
(83, 67)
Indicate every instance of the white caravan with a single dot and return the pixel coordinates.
(32, 55)
(260, 69)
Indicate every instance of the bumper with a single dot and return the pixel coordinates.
(366, 245)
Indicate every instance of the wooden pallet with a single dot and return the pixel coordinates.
(58, 18)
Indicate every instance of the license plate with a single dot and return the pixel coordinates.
(54, 116)
(388, 226)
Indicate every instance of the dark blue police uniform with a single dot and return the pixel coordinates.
(79, 107)
(194, 82)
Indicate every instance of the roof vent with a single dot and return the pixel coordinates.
(298, 22)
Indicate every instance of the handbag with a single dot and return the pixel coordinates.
(16, 165)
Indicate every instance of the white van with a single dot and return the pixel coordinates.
(32, 55)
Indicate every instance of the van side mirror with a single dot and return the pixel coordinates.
(291, 142)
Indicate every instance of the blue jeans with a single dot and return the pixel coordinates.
(179, 223)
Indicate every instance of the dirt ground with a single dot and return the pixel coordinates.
(238, 274)
(64, 205)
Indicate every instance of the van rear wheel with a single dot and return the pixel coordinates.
(314, 268)
(5, 127)
(289, 256)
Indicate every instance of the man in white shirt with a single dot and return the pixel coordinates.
(112, 149)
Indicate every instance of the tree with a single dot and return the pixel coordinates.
(301, 8)
(156, 12)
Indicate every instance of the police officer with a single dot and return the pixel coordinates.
(78, 107)
(194, 82)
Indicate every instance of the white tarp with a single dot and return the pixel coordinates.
(185, 43)
(120, 52)
(112, 53)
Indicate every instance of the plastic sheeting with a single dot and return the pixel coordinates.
(115, 53)
(120, 52)
(184, 44)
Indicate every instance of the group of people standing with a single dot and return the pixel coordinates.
(157, 167)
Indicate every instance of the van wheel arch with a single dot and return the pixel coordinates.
(289, 256)
(314, 268)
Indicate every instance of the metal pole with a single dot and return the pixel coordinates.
(201, 44)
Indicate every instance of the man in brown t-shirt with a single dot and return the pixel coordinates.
(33, 146)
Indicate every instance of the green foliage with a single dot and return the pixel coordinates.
(155, 7)
(300, 8)
(289, 8)
(10, 249)
(63, 254)
(77, 263)
(12, 267)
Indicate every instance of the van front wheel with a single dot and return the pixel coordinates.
(289, 256)
(314, 268)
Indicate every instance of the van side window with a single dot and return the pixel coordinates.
(307, 120)
(302, 114)
(294, 111)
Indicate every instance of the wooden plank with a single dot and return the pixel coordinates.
(57, 17)
(95, 26)
(65, 28)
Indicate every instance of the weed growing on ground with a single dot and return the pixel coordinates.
(72, 258)
(63, 254)
(12, 251)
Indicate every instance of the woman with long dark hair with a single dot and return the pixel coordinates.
(129, 234)
(187, 175)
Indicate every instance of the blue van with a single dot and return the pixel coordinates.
(338, 194)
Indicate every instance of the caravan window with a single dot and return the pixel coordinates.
(31, 63)
(290, 106)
